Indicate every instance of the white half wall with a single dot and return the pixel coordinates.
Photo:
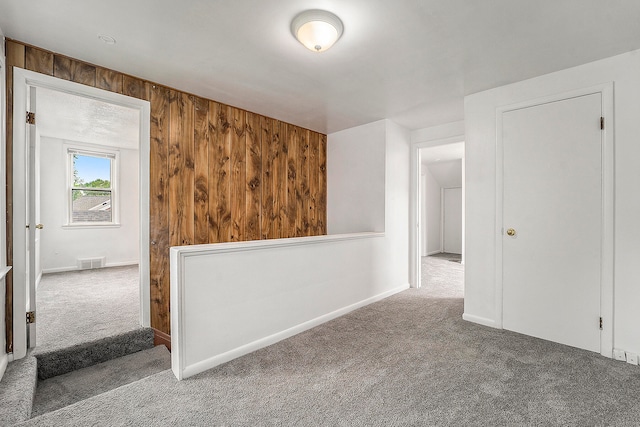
(61, 245)
(480, 170)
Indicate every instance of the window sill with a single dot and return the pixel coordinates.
(87, 225)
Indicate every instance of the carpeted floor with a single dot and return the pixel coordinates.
(407, 360)
(82, 306)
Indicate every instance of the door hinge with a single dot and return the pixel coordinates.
(601, 122)
(601, 323)
(31, 317)
(31, 118)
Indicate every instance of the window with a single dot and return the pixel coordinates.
(92, 198)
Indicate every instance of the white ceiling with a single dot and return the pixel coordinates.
(442, 153)
(447, 174)
(74, 118)
(411, 61)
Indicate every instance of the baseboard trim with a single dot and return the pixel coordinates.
(4, 361)
(75, 267)
(219, 359)
(434, 252)
(480, 320)
(160, 338)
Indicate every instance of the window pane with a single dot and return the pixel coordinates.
(90, 171)
(91, 206)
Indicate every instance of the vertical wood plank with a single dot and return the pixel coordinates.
(270, 172)
(136, 88)
(314, 183)
(322, 195)
(75, 71)
(219, 173)
(15, 57)
(159, 210)
(109, 80)
(238, 175)
(201, 169)
(39, 60)
(281, 179)
(302, 184)
(253, 156)
(181, 169)
(293, 139)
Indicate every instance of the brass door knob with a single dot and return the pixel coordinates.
(39, 226)
(511, 232)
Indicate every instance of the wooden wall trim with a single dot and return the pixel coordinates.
(217, 173)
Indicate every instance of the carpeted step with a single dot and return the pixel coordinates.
(58, 362)
(63, 390)
(17, 389)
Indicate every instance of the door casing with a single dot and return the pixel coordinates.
(606, 292)
(22, 80)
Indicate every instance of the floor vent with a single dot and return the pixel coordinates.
(89, 263)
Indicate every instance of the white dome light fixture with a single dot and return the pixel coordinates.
(317, 29)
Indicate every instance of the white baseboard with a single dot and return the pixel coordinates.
(434, 252)
(480, 320)
(4, 361)
(75, 267)
(219, 359)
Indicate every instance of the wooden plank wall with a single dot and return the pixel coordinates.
(217, 173)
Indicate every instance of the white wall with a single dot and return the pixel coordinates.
(481, 232)
(433, 208)
(356, 184)
(452, 220)
(61, 246)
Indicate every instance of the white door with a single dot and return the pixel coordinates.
(452, 220)
(552, 202)
(33, 215)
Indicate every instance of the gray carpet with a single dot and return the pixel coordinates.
(63, 390)
(87, 305)
(407, 360)
(17, 389)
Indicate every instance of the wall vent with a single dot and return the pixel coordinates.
(89, 263)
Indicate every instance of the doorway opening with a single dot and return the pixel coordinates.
(440, 218)
(78, 125)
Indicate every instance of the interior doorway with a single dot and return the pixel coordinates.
(26, 84)
(440, 200)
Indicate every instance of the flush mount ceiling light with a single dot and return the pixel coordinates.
(316, 29)
(106, 39)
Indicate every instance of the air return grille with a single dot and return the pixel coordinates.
(89, 263)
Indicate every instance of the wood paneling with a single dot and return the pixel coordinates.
(238, 175)
(181, 169)
(159, 209)
(220, 173)
(253, 172)
(217, 173)
(76, 71)
(201, 168)
(39, 60)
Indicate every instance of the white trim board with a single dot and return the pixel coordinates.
(75, 267)
(606, 298)
(23, 79)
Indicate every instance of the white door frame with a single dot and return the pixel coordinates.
(606, 287)
(414, 205)
(22, 79)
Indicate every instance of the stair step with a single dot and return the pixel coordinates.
(17, 389)
(57, 362)
(63, 390)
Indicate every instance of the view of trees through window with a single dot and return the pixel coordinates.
(91, 192)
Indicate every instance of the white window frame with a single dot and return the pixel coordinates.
(114, 156)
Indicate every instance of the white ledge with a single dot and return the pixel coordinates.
(4, 271)
(194, 250)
